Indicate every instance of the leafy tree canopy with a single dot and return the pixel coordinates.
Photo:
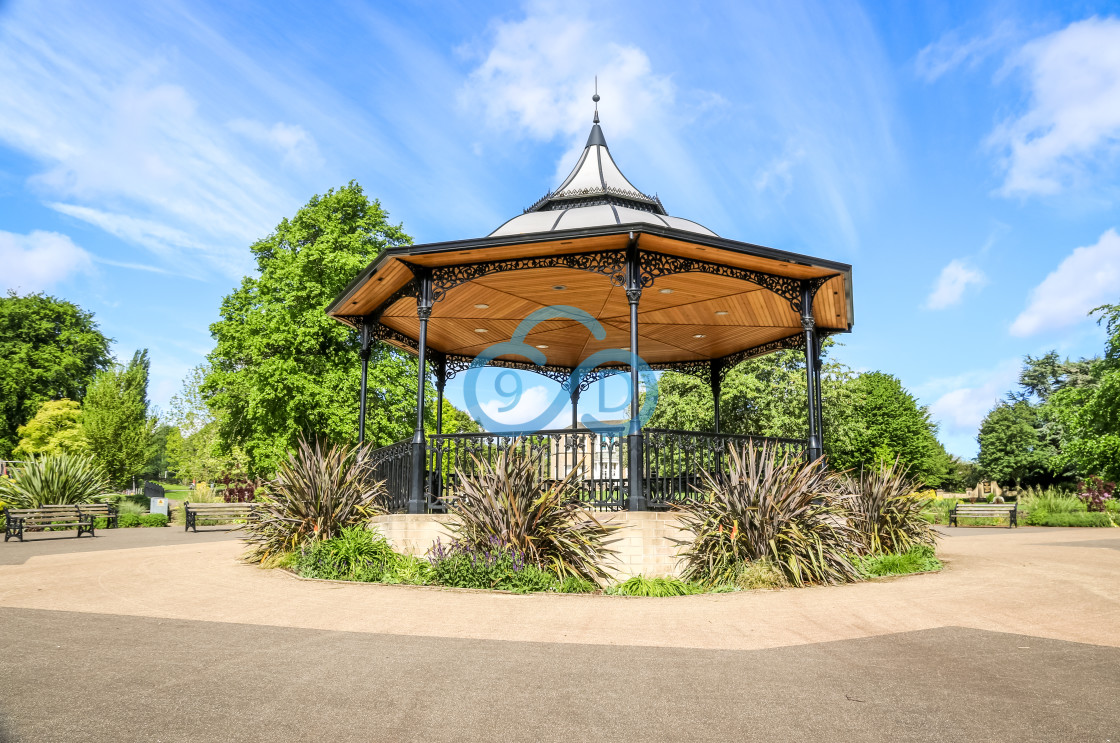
(50, 349)
(889, 424)
(115, 419)
(56, 428)
(868, 418)
(281, 367)
(1013, 447)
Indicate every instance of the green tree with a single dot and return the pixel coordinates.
(886, 423)
(50, 349)
(158, 465)
(281, 367)
(56, 428)
(1013, 446)
(457, 421)
(115, 419)
(1088, 415)
(194, 450)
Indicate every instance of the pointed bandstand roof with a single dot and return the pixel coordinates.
(595, 193)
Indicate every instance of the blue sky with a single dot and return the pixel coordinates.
(962, 156)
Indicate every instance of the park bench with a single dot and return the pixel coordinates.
(19, 520)
(107, 511)
(192, 512)
(984, 510)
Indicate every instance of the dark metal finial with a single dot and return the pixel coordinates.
(596, 99)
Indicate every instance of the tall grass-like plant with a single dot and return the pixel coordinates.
(318, 491)
(772, 505)
(54, 479)
(509, 503)
(885, 508)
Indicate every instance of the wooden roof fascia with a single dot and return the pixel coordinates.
(758, 251)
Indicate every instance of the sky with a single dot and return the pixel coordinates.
(961, 156)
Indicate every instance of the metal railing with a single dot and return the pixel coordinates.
(598, 461)
(393, 464)
(673, 461)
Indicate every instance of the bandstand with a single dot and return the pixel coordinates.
(653, 290)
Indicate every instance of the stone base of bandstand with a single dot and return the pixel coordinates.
(644, 541)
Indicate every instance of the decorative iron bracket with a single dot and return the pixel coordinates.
(653, 265)
(611, 264)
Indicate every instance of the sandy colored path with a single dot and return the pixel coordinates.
(1062, 584)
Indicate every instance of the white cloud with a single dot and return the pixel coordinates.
(296, 146)
(130, 151)
(536, 79)
(962, 402)
(1087, 278)
(40, 260)
(950, 287)
(950, 51)
(532, 403)
(1072, 127)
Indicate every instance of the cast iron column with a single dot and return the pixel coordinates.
(637, 500)
(417, 502)
(441, 382)
(820, 405)
(364, 353)
(715, 370)
(575, 405)
(809, 326)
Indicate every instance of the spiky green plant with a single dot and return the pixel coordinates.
(318, 491)
(885, 507)
(509, 503)
(771, 504)
(54, 479)
(639, 585)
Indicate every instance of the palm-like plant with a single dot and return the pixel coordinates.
(509, 503)
(318, 491)
(772, 505)
(54, 479)
(885, 508)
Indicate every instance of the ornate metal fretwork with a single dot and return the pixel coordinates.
(652, 265)
(385, 333)
(699, 369)
(457, 364)
(789, 343)
(611, 264)
(411, 289)
(702, 368)
(587, 197)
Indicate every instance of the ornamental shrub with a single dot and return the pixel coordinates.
(153, 519)
(54, 479)
(1077, 518)
(498, 567)
(359, 554)
(918, 559)
(510, 502)
(771, 505)
(127, 520)
(657, 587)
(1094, 493)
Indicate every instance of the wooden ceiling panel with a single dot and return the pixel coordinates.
(830, 306)
(367, 298)
(672, 312)
(672, 246)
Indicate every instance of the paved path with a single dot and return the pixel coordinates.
(160, 635)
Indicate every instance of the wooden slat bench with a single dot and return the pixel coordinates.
(985, 510)
(192, 512)
(107, 511)
(19, 520)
